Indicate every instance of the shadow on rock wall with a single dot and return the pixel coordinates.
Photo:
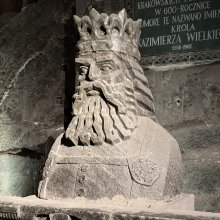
(32, 91)
(21, 169)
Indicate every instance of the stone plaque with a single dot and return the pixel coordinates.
(178, 26)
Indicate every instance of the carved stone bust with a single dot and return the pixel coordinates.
(117, 147)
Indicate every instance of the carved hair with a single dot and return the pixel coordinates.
(142, 92)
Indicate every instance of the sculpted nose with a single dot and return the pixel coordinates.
(92, 73)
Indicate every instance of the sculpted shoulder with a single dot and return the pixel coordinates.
(155, 132)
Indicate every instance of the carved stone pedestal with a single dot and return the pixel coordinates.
(32, 208)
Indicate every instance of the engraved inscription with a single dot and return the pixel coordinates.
(178, 25)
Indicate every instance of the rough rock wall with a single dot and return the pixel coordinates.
(31, 92)
(187, 102)
(10, 6)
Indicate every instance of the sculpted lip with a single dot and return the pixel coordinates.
(93, 93)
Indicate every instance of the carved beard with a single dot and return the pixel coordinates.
(101, 114)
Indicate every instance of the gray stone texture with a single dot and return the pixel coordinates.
(202, 176)
(36, 209)
(19, 175)
(112, 131)
(189, 133)
(187, 104)
(31, 91)
(190, 109)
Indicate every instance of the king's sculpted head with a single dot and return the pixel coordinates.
(111, 91)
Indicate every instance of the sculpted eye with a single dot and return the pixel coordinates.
(106, 68)
(84, 70)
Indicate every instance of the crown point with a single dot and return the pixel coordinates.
(122, 15)
(77, 20)
(116, 25)
(93, 14)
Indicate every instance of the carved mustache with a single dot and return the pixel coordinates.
(107, 91)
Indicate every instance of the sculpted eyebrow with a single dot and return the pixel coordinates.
(104, 59)
(86, 61)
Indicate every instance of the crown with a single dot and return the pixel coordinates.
(116, 32)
